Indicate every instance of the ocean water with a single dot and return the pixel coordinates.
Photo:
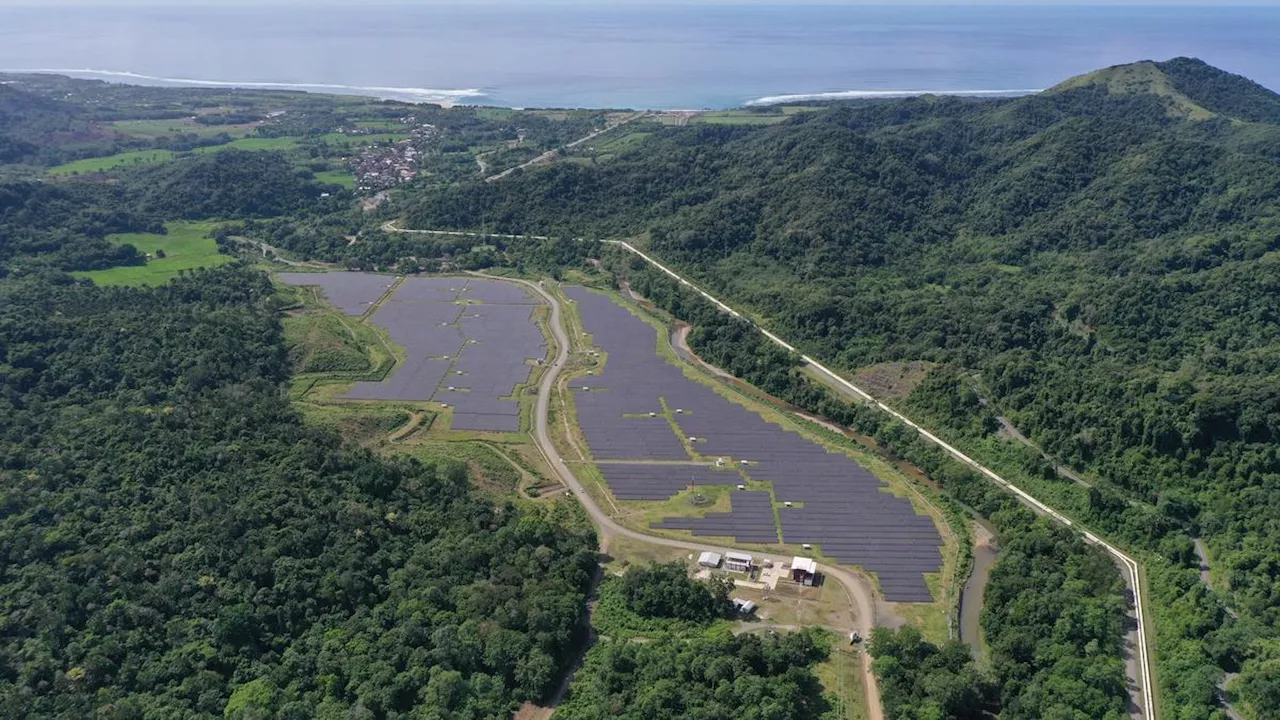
(688, 56)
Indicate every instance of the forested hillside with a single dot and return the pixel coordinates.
(178, 544)
(1098, 263)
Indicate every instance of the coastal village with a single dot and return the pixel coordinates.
(384, 166)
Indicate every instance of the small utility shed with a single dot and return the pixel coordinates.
(803, 570)
(709, 560)
(737, 562)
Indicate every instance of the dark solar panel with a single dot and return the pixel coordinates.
(659, 482)
(749, 520)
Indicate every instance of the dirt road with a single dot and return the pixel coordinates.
(859, 589)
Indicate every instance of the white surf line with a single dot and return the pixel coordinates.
(884, 95)
(445, 94)
(1131, 566)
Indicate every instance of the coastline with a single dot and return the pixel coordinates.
(449, 97)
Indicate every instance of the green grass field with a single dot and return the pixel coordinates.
(160, 128)
(253, 143)
(353, 140)
(380, 124)
(620, 143)
(110, 162)
(749, 117)
(186, 247)
(337, 177)
(494, 113)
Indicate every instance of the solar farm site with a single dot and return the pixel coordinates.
(633, 410)
(470, 341)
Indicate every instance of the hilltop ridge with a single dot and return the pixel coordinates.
(1196, 90)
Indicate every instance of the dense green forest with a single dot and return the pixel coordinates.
(177, 543)
(1097, 263)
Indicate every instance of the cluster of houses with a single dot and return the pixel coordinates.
(383, 167)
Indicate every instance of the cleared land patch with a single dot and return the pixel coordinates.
(891, 380)
(187, 246)
(753, 117)
(112, 162)
(337, 177)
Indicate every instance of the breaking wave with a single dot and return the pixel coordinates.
(406, 94)
(861, 94)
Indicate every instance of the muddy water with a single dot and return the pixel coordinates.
(985, 552)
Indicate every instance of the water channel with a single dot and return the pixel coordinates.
(985, 552)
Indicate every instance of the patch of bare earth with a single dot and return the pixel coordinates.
(892, 380)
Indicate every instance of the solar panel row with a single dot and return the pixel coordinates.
(836, 503)
(749, 520)
(640, 482)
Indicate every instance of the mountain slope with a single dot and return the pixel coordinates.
(1222, 92)
(1144, 77)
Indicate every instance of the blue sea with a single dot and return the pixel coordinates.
(689, 56)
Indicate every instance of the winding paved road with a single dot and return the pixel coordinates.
(858, 588)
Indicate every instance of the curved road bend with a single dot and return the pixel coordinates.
(859, 590)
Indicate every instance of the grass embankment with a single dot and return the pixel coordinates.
(186, 246)
(364, 424)
(330, 350)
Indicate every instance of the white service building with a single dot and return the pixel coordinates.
(737, 562)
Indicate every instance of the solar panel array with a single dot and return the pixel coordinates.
(650, 482)
(750, 520)
(351, 292)
(836, 503)
(469, 343)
